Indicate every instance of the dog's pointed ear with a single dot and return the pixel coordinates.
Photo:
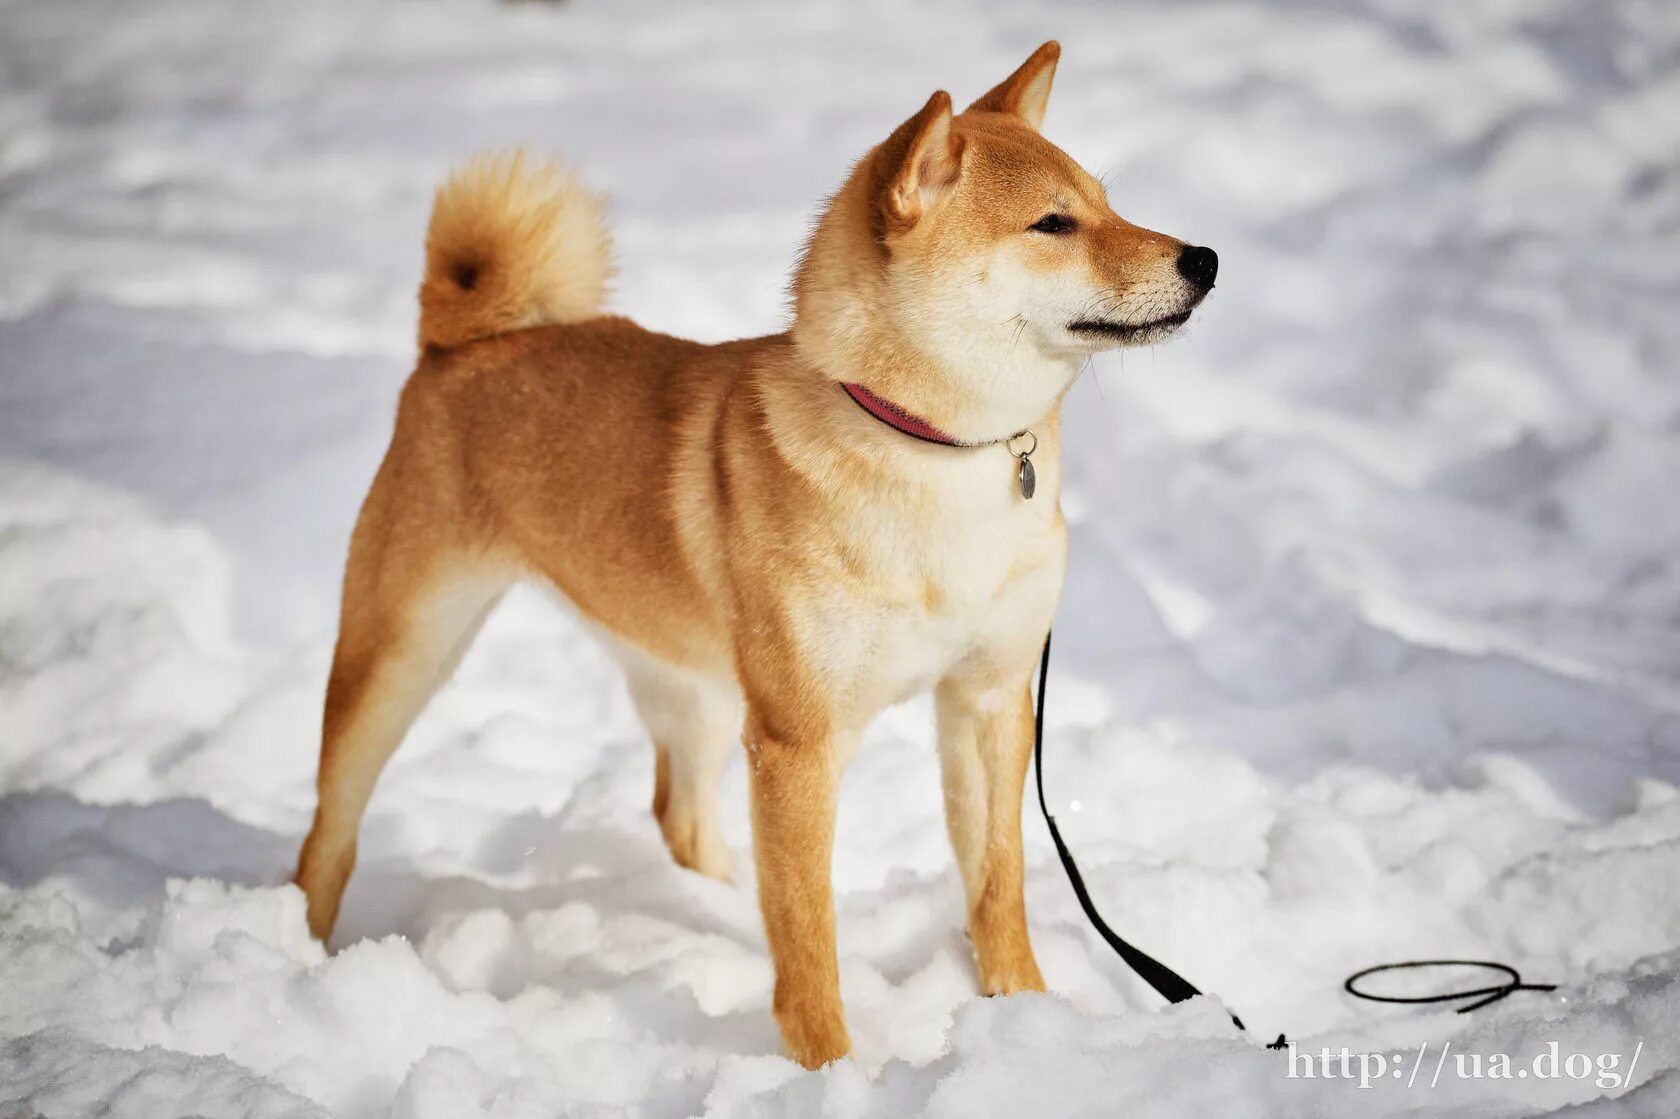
(920, 161)
(1026, 92)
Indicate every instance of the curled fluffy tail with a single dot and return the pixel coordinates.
(512, 243)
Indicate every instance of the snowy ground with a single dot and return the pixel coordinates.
(1370, 649)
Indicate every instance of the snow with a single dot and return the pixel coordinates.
(1369, 648)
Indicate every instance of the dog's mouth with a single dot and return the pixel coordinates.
(1130, 332)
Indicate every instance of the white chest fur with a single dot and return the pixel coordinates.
(964, 576)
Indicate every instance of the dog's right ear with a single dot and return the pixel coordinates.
(918, 164)
(1026, 92)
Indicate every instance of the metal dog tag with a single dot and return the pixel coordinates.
(1025, 474)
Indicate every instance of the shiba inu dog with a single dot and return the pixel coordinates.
(790, 532)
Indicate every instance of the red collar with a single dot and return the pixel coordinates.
(895, 417)
(917, 428)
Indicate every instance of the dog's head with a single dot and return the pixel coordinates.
(983, 250)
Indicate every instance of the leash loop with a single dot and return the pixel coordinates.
(1483, 995)
(1174, 987)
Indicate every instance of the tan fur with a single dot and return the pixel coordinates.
(768, 562)
(511, 244)
(1026, 92)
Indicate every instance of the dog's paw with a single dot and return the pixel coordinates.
(815, 1039)
(694, 848)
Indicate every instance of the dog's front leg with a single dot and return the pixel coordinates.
(985, 743)
(793, 777)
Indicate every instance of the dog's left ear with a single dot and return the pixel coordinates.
(1026, 92)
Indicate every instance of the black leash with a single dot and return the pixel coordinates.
(1174, 987)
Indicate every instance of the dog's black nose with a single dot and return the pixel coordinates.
(1198, 264)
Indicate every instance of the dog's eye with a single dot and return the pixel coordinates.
(1053, 223)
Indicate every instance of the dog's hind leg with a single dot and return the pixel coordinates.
(408, 616)
(694, 724)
